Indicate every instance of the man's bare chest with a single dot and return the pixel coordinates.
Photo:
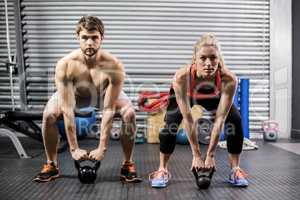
(89, 80)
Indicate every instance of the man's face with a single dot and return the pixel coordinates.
(90, 42)
(207, 60)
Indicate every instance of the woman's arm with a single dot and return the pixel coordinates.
(180, 86)
(229, 85)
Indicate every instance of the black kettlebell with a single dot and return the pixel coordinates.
(87, 174)
(203, 178)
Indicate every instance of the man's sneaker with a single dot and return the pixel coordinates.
(48, 173)
(159, 179)
(128, 173)
(237, 177)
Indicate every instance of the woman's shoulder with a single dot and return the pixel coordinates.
(228, 77)
(182, 73)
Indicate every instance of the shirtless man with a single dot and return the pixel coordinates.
(88, 76)
(206, 82)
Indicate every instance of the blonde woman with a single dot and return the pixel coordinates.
(206, 82)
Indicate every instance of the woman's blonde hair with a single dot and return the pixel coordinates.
(208, 39)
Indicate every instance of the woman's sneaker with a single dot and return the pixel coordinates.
(159, 179)
(128, 173)
(48, 173)
(237, 177)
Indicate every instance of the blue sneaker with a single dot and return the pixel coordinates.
(237, 177)
(159, 179)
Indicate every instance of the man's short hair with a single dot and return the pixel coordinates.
(90, 23)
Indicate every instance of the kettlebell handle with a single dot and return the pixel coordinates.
(270, 125)
(77, 164)
(97, 163)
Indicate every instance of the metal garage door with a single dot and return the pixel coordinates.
(5, 91)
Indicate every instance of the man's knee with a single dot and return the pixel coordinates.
(52, 111)
(50, 117)
(128, 122)
(129, 115)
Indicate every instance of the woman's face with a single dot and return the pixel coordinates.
(207, 61)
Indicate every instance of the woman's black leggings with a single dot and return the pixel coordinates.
(233, 125)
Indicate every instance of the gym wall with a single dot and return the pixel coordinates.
(296, 70)
(153, 38)
(281, 65)
(5, 91)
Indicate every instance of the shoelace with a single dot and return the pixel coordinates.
(47, 167)
(130, 167)
(239, 173)
(162, 173)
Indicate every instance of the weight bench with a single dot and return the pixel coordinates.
(24, 122)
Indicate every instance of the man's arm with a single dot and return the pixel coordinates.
(66, 101)
(180, 88)
(224, 106)
(112, 93)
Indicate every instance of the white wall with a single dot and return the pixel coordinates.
(281, 64)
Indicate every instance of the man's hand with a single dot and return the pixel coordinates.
(209, 162)
(79, 154)
(97, 154)
(197, 163)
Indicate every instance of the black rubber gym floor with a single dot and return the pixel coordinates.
(273, 174)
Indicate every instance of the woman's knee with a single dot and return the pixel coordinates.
(235, 143)
(167, 138)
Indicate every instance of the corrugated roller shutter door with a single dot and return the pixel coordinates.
(153, 38)
(5, 93)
